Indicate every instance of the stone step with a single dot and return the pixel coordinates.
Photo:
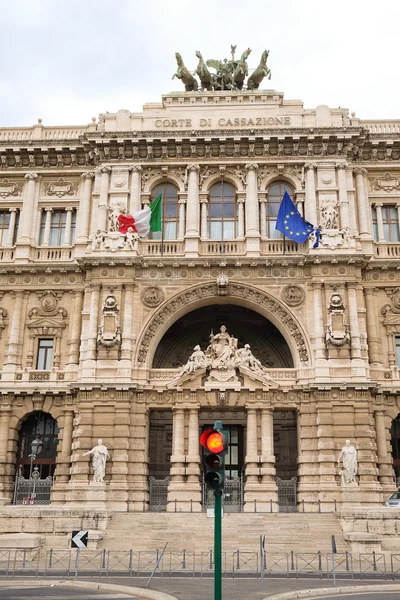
(194, 532)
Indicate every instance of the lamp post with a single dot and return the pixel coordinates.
(36, 448)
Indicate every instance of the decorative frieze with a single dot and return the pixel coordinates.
(61, 188)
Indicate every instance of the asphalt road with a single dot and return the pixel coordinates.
(56, 593)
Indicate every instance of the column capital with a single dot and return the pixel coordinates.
(360, 171)
(378, 204)
(182, 200)
(370, 291)
(193, 167)
(342, 165)
(105, 170)
(310, 166)
(13, 210)
(351, 285)
(129, 287)
(69, 208)
(31, 176)
(251, 167)
(88, 175)
(316, 285)
(48, 209)
(136, 169)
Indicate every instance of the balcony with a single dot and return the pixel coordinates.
(288, 376)
(50, 254)
(387, 250)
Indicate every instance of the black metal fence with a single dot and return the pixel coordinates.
(138, 563)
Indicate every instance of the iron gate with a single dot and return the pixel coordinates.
(33, 490)
(287, 494)
(158, 494)
(232, 499)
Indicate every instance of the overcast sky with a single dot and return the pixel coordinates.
(66, 61)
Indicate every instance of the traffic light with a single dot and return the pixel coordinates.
(215, 444)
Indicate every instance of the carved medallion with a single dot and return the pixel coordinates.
(10, 188)
(386, 182)
(152, 296)
(293, 295)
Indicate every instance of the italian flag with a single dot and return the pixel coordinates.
(143, 221)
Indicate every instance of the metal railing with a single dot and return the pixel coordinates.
(142, 563)
(32, 491)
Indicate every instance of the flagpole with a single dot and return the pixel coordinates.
(162, 225)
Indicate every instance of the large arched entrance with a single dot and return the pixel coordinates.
(395, 443)
(272, 350)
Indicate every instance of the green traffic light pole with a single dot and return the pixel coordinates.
(217, 544)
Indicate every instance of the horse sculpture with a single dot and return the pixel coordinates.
(241, 71)
(258, 75)
(204, 74)
(184, 75)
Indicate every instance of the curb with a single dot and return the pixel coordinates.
(88, 585)
(334, 591)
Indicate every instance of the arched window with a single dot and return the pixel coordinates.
(42, 429)
(222, 214)
(274, 199)
(170, 210)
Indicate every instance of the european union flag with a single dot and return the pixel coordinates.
(290, 222)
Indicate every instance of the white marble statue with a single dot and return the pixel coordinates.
(197, 360)
(348, 456)
(99, 458)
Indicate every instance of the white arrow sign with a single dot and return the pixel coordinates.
(79, 539)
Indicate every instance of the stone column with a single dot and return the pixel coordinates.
(64, 457)
(326, 449)
(268, 471)
(379, 222)
(28, 210)
(251, 207)
(11, 228)
(343, 199)
(353, 320)
(193, 462)
(118, 496)
(204, 209)
(384, 458)
(5, 415)
(193, 209)
(125, 367)
(83, 220)
(263, 217)
(56, 352)
(12, 358)
(177, 497)
(374, 345)
(318, 321)
(90, 327)
(138, 468)
(363, 207)
(68, 226)
(311, 198)
(134, 204)
(47, 226)
(102, 215)
(252, 470)
(182, 214)
(75, 328)
(240, 209)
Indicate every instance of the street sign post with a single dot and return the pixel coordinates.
(79, 539)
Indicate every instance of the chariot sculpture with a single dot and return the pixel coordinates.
(226, 75)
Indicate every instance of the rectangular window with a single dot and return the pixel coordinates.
(390, 223)
(45, 354)
(4, 226)
(397, 340)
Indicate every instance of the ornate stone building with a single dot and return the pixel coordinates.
(98, 328)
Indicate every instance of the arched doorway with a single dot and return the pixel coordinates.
(37, 445)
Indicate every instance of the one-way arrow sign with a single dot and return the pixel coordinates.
(79, 539)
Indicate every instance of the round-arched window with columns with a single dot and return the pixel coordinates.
(222, 211)
(170, 210)
(274, 198)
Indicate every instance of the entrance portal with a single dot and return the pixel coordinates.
(395, 442)
(285, 447)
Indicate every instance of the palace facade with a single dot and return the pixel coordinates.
(97, 327)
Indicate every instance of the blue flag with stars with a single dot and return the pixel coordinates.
(290, 222)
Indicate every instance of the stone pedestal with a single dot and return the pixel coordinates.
(88, 495)
(350, 495)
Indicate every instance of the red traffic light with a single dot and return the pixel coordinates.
(213, 441)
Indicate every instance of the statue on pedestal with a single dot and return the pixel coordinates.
(348, 456)
(99, 458)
